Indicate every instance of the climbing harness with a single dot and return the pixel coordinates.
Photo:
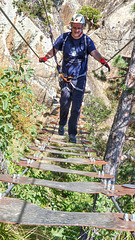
(85, 42)
(69, 79)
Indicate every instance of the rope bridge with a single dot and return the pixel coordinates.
(17, 211)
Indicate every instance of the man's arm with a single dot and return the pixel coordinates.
(99, 58)
(50, 54)
(96, 55)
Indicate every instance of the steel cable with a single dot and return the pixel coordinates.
(21, 35)
(51, 37)
(132, 39)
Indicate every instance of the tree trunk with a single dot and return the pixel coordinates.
(121, 122)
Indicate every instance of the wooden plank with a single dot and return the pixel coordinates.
(81, 124)
(130, 138)
(81, 128)
(70, 148)
(17, 211)
(53, 122)
(48, 128)
(83, 132)
(80, 187)
(63, 141)
(61, 152)
(51, 132)
(68, 160)
(55, 116)
(123, 190)
(55, 168)
(85, 141)
(56, 123)
(129, 185)
(55, 131)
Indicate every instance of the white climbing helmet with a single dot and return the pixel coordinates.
(78, 18)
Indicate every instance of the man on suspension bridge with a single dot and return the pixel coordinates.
(76, 47)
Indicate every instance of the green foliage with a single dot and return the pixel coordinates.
(9, 102)
(120, 63)
(96, 113)
(133, 8)
(117, 84)
(91, 15)
(126, 172)
(16, 102)
(101, 77)
(34, 10)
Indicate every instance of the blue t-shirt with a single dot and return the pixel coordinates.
(75, 53)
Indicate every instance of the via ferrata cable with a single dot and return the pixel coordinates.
(18, 31)
(131, 40)
(51, 37)
(20, 34)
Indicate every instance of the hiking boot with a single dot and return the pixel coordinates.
(61, 130)
(72, 138)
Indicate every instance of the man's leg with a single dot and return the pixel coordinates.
(77, 99)
(65, 102)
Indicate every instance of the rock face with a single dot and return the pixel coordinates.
(45, 80)
(114, 32)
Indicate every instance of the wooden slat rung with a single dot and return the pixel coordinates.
(70, 148)
(55, 168)
(63, 141)
(68, 160)
(60, 152)
(80, 187)
(17, 211)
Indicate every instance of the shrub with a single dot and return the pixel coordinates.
(91, 15)
(17, 102)
(34, 9)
